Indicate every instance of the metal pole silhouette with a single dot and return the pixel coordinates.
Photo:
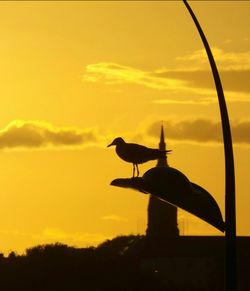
(230, 217)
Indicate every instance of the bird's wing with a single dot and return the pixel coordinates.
(141, 154)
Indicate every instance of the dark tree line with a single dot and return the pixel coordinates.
(60, 267)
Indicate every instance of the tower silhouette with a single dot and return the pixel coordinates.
(162, 217)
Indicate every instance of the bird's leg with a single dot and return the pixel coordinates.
(133, 170)
(137, 170)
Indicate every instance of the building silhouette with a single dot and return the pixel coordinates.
(184, 262)
(162, 217)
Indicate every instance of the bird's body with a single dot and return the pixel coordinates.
(135, 153)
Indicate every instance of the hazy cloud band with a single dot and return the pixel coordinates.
(191, 75)
(202, 131)
(38, 134)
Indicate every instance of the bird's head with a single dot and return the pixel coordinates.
(117, 141)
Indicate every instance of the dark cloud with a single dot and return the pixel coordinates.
(241, 132)
(36, 134)
(233, 80)
(202, 130)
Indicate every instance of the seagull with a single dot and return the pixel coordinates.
(135, 153)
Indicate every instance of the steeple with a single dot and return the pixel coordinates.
(162, 162)
(162, 217)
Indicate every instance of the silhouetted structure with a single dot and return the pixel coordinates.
(162, 217)
(123, 264)
(230, 208)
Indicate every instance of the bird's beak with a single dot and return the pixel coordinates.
(110, 145)
(168, 151)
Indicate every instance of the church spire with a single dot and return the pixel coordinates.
(162, 143)
(162, 217)
(162, 162)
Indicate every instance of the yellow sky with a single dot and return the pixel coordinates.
(75, 75)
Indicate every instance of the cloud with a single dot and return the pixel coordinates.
(40, 134)
(202, 131)
(233, 80)
(186, 101)
(114, 217)
(191, 77)
(194, 69)
(225, 60)
(111, 73)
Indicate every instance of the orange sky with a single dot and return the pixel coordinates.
(75, 75)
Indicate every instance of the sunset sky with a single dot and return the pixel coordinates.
(75, 75)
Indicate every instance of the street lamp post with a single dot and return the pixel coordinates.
(230, 217)
(169, 184)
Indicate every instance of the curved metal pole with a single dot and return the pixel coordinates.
(230, 217)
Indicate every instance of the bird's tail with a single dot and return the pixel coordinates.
(166, 152)
(163, 154)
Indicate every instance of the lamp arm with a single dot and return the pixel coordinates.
(230, 212)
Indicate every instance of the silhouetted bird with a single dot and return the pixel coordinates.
(135, 153)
